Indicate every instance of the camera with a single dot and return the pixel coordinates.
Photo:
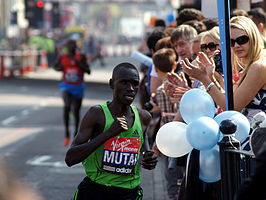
(218, 63)
(148, 106)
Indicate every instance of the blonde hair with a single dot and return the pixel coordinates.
(213, 33)
(255, 41)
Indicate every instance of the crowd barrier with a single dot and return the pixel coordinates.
(20, 62)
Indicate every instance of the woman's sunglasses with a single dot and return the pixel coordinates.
(212, 46)
(240, 40)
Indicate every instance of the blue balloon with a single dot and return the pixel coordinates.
(203, 133)
(209, 165)
(196, 103)
(170, 18)
(243, 125)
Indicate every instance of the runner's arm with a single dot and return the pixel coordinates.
(91, 135)
(83, 63)
(149, 159)
(58, 65)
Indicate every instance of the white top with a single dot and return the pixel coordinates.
(153, 72)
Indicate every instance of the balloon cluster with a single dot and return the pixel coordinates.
(201, 131)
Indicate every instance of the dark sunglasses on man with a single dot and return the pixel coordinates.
(240, 40)
(212, 46)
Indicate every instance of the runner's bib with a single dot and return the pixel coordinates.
(72, 74)
(120, 155)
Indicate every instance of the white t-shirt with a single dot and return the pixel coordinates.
(153, 72)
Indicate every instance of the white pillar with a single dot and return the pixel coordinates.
(209, 8)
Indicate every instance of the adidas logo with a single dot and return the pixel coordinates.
(135, 132)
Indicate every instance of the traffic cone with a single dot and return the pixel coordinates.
(43, 61)
(2, 67)
(11, 66)
(8, 64)
(30, 67)
(23, 69)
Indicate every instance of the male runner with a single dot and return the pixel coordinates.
(73, 64)
(109, 143)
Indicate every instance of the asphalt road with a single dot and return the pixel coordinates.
(31, 133)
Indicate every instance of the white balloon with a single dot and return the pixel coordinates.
(171, 139)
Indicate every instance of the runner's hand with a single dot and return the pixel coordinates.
(118, 126)
(149, 160)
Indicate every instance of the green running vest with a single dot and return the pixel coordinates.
(115, 163)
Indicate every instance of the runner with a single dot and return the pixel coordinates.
(109, 143)
(73, 64)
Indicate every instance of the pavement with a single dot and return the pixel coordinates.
(153, 182)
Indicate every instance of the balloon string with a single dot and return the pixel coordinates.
(230, 141)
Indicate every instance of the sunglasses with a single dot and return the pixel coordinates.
(212, 46)
(240, 40)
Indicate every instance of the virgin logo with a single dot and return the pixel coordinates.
(117, 146)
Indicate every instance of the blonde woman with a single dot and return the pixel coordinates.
(247, 46)
(210, 45)
(210, 41)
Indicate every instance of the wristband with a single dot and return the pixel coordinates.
(210, 86)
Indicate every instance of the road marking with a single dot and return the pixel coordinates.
(11, 135)
(43, 103)
(39, 159)
(8, 120)
(55, 166)
(25, 112)
(36, 107)
(77, 169)
(42, 161)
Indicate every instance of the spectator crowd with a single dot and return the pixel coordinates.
(187, 55)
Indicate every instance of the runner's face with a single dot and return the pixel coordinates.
(126, 85)
(71, 47)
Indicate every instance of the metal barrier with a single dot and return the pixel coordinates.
(231, 157)
(20, 62)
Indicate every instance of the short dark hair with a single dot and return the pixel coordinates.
(164, 59)
(70, 41)
(154, 37)
(189, 14)
(210, 23)
(164, 43)
(258, 15)
(121, 66)
(238, 12)
(198, 25)
(169, 30)
(160, 22)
